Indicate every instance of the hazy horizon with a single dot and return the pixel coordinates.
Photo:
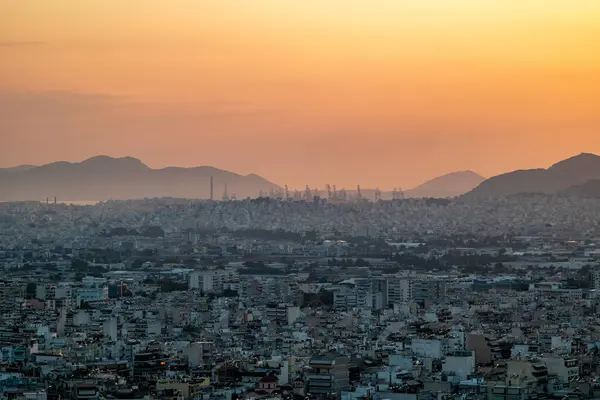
(382, 94)
(310, 181)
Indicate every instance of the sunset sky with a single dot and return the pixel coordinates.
(378, 92)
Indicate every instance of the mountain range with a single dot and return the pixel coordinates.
(104, 178)
(559, 178)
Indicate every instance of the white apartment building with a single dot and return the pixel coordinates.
(201, 280)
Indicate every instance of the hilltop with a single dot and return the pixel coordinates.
(564, 174)
(104, 178)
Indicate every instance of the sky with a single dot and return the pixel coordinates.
(382, 93)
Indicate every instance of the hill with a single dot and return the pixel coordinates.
(589, 189)
(449, 185)
(445, 186)
(560, 176)
(103, 178)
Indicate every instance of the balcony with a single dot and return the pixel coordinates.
(320, 385)
(319, 377)
(322, 363)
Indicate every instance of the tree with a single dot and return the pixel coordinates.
(311, 236)
(230, 293)
(84, 305)
(79, 265)
(30, 290)
(153, 232)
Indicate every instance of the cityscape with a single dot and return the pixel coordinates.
(299, 200)
(295, 298)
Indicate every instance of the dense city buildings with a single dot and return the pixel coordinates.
(282, 299)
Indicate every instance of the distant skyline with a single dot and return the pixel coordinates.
(387, 93)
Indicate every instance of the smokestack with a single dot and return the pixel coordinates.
(212, 188)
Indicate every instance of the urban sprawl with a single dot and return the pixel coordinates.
(408, 299)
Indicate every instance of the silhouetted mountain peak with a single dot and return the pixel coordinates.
(583, 160)
(458, 174)
(566, 173)
(467, 172)
(106, 161)
(448, 185)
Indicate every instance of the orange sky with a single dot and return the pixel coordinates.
(382, 93)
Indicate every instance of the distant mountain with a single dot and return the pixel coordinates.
(560, 176)
(103, 178)
(17, 168)
(449, 185)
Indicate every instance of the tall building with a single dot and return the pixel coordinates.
(428, 291)
(199, 354)
(422, 291)
(596, 278)
(282, 314)
(110, 329)
(353, 293)
(201, 280)
(328, 375)
(399, 290)
(64, 293)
